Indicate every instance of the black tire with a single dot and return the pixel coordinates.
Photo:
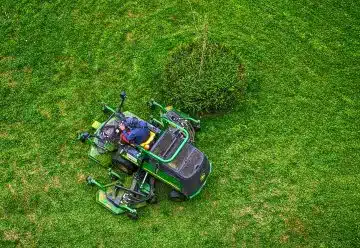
(89, 180)
(125, 169)
(113, 178)
(133, 216)
(177, 196)
(83, 137)
(104, 109)
(196, 127)
(123, 164)
(153, 200)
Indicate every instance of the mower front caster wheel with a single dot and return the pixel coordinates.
(83, 136)
(128, 170)
(133, 216)
(176, 196)
(105, 110)
(123, 164)
(89, 180)
(153, 200)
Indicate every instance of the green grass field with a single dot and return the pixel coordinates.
(286, 162)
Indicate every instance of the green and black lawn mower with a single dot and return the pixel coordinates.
(168, 155)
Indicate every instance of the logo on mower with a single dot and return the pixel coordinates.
(202, 177)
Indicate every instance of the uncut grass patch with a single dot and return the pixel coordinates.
(203, 77)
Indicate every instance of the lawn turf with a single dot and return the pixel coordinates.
(286, 162)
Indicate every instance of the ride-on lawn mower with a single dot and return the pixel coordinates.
(168, 155)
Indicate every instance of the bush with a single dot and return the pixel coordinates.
(203, 78)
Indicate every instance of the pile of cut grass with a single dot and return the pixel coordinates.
(203, 78)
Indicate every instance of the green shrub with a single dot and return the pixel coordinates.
(203, 78)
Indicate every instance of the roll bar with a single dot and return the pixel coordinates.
(162, 159)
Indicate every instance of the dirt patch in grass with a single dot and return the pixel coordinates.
(5, 58)
(11, 235)
(4, 135)
(80, 178)
(32, 217)
(215, 203)
(28, 69)
(7, 76)
(296, 226)
(67, 60)
(180, 208)
(46, 188)
(224, 181)
(28, 240)
(259, 217)
(131, 14)
(38, 170)
(45, 113)
(241, 72)
(63, 154)
(316, 210)
(284, 238)
(242, 212)
(28, 73)
(12, 83)
(55, 182)
(62, 106)
(11, 189)
(130, 37)
(25, 239)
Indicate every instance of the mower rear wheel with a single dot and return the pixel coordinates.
(125, 169)
(153, 200)
(124, 165)
(177, 196)
(133, 216)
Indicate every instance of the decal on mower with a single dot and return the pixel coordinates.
(131, 158)
(202, 177)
